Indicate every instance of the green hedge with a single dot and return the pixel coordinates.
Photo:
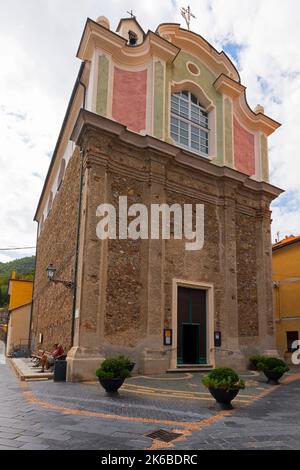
(224, 378)
(114, 367)
(273, 364)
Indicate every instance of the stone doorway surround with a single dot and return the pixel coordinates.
(209, 288)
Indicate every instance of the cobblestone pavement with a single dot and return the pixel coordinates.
(48, 415)
(272, 423)
(2, 352)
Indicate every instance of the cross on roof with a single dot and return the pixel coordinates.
(131, 14)
(187, 15)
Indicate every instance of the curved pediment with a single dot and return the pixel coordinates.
(196, 45)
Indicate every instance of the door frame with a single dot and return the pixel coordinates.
(209, 288)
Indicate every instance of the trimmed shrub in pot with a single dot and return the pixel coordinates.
(273, 368)
(224, 384)
(127, 362)
(113, 372)
(254, 360)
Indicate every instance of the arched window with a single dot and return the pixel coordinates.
(189, 122)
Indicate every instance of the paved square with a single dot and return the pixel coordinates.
(48, 415)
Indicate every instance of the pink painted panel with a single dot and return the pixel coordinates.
(129, 98)
(244, 149)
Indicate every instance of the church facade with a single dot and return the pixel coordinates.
(159, 118)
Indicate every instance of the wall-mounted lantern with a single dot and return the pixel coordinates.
(51, 271)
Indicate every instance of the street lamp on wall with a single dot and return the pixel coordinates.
(51, 271)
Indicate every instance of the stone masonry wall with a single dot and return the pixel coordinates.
(125, 319)
(247, 276)
(52, 306)
(125, 293)
(228, 260)
(195, 266)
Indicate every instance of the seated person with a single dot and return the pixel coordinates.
(36, 358)
(48, 358)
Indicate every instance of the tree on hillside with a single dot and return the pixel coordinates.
(21, 266)
(3, 292)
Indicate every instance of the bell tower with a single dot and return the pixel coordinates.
(130, 29)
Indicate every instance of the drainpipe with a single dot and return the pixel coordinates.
(84, 93)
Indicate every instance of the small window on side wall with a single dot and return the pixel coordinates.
(50, 201)
(189, 122)
(61, 173)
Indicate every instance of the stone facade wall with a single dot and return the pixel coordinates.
(125, 290)
(138, 275)
(52, 303)
(247, 276)
(125, 323)
(196, 266)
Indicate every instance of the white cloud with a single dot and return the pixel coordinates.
(38, 46)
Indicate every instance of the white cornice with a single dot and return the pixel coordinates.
(88, 121)
(237, 91)
(95, 35)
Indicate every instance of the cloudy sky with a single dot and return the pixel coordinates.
(39, 40)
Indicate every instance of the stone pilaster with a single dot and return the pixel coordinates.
(230, 353)
(154, 357)
(86, 353)
(264, 280)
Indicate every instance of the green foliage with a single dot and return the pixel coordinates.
(224, 378)
(273, 364)
(3, 292)
(114, 368)
(256, 359)
(128, 364)
(22, 266)
(101, 374)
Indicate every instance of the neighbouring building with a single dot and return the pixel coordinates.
(286, 277)
(159, 117)
(19, 312)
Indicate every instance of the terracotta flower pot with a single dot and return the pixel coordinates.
(224, 397)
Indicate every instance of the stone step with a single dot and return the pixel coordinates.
(24, 370)
(191, 368)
